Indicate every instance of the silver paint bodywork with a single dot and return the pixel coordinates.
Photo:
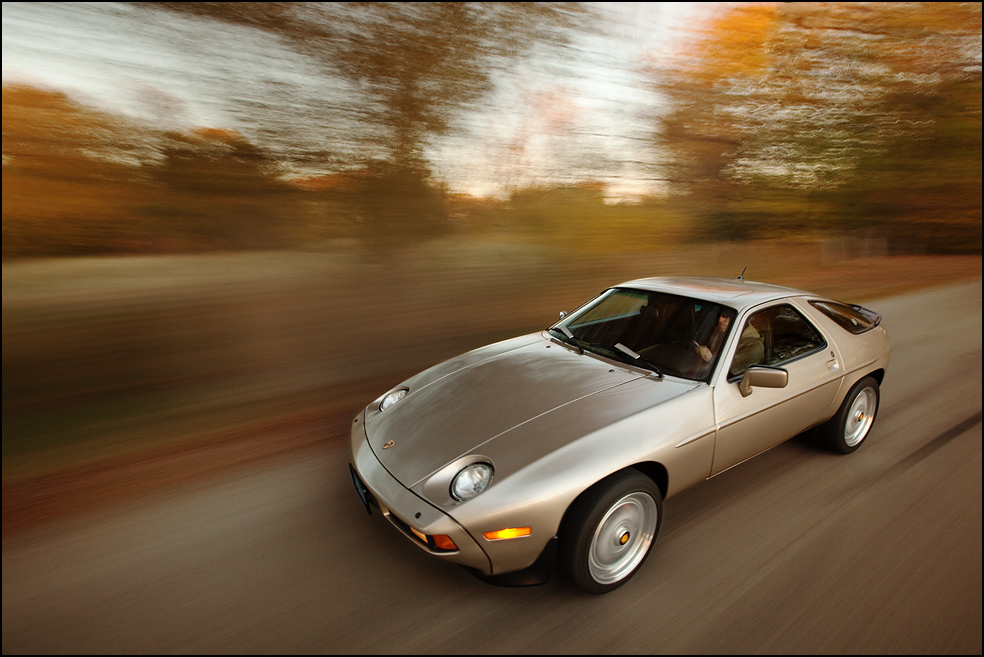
(554, 421)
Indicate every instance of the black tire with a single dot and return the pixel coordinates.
(610, 531)
(846, 431)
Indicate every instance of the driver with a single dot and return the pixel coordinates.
(715, 339)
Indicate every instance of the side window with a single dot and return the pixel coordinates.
(850, 318)
(774, 336)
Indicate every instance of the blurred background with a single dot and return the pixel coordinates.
(221, 219)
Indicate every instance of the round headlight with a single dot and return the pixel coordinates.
(392, 398)
(471, 481)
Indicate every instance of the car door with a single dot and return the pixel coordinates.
(785, 339)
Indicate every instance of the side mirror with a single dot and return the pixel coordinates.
(762, 377)
(563, 314)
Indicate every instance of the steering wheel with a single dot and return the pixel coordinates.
(690, 345)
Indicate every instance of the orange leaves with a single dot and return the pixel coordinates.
(734, 43)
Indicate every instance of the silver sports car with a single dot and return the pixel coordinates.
(560, 446)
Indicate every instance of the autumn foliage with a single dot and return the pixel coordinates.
(776, 120)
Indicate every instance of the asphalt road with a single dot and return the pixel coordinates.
(795, 552)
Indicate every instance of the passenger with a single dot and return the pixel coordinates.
(751, 350)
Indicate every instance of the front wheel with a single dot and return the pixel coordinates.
(845, 432)
(610, 531)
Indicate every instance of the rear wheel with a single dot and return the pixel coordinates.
(845, 432)
(610, 531)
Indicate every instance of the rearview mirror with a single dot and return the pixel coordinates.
(762, 377)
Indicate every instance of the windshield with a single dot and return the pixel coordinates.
(670, 334)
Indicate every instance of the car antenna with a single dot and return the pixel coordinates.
(741, 276)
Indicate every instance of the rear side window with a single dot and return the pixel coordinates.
(850, 318)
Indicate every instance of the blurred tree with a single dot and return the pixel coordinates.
(923, 187)
(415, 68)
(218, 191)
(779, 113)
(699, 137)
(563, 215)
(72, 177)
(395, 205)
(80, 181)
(920, 182)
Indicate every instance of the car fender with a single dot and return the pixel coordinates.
(678, 434)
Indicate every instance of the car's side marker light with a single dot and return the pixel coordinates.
(509, 532)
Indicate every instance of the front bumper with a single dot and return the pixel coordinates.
(416, 518)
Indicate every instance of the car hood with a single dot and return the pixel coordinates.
(458, 406)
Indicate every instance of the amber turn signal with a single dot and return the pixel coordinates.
(509, 532)
(444, 542)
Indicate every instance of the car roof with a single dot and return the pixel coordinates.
(734, 292)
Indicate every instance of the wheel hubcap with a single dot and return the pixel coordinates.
(622, 538)
(861, 416)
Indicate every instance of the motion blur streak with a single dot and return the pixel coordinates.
(113, 355)
(226, 226)
(189, 127)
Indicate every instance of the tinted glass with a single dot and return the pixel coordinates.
(680, 336)
(848, 317)
(774, 336)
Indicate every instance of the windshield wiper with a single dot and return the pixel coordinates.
(568, 337)
(620, 348)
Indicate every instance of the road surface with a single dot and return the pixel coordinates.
(795, 552)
